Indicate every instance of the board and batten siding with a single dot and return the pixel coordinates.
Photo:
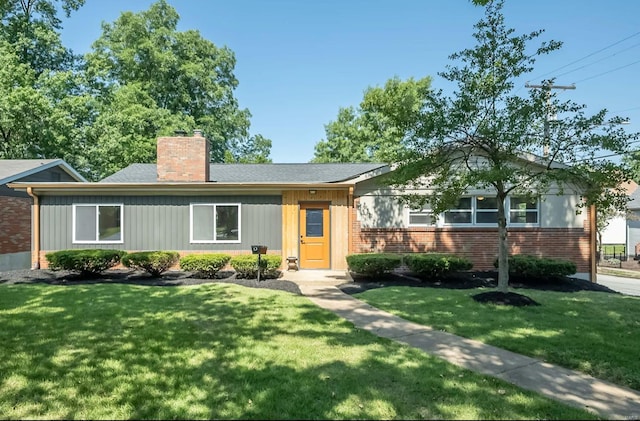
(162, 222)
(339, 220)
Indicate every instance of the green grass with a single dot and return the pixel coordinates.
(219, 351)
(593, 332)
(613, 248)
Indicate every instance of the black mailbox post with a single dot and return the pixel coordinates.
(259, 250)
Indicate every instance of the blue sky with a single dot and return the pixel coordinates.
(299, 61)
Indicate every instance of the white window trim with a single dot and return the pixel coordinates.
(474, 212)
(522, 224)
(471, 210)
(423, 211)
(192, 241)
(73, 228)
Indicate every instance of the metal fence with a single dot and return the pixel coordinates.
(611, 255)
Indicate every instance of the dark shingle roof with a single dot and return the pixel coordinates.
(257, 173)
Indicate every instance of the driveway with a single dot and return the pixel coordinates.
(628, 286)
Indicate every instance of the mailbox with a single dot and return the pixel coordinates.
(259, 249)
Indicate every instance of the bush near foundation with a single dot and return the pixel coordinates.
(436, 265)
(373, 264)
(534, 267)
(152, 262)
(204, 265)
(88, 262)
(246, 265)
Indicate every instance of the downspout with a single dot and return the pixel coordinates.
(593, 270)
(35, 246)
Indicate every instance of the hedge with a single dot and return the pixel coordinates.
(205, 265)
(436, 265)
(246, 265)
(152, 262)
(373, 264)
(89, 262)
(532, 267)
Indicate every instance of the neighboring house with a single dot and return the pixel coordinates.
(616, 231)
(15, 207)
(318, 213)
(633, 226)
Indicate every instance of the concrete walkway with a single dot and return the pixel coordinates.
(570, 387)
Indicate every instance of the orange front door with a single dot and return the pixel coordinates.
(314, 236)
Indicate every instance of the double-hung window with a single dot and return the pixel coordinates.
(461, 214)
(523, 211)
(483, 211)
(420, 217)
(97, 224)
(215, 223)
(486, 210)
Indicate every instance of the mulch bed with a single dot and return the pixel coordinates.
(462, 280)
(473, 280)
(118, 276)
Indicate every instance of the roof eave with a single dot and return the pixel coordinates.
(39, 188)
(58, 162)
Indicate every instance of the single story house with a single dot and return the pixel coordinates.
(15, 206)
(317, 213)
(621, 228)
(632, 227)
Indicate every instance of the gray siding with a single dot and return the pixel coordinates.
(633, 226)
(54, 174)
(162, 222)
(6, 191)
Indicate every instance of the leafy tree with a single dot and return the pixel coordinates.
(485, 136)
(365, 135)
(32, 28)
(178, 77)
(38, 81)
(125, 130)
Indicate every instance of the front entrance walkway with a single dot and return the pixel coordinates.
(317, 277)
(567, 386)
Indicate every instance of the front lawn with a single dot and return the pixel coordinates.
(222, 351)
(593, 332)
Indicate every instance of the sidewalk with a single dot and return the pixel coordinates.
(570, 387)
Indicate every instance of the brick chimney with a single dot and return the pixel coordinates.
(183, 159)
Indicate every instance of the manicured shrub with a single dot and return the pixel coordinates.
(204, 265)
(152, 262)
(533, 267)
(246, 265)
(373, 264)
(89, 262)
(435, 265)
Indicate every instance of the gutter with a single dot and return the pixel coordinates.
(35, 235)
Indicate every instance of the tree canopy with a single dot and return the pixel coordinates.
(101, 112)
(367, 135)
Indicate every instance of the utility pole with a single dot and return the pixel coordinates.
(545, 150)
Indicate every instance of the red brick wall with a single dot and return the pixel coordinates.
(15, 224)
(480, 245)
(183, 159)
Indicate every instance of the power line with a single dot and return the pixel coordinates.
(597, 61)
(588, 55)
(608, 71)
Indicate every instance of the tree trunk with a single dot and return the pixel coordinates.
(503, 248)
